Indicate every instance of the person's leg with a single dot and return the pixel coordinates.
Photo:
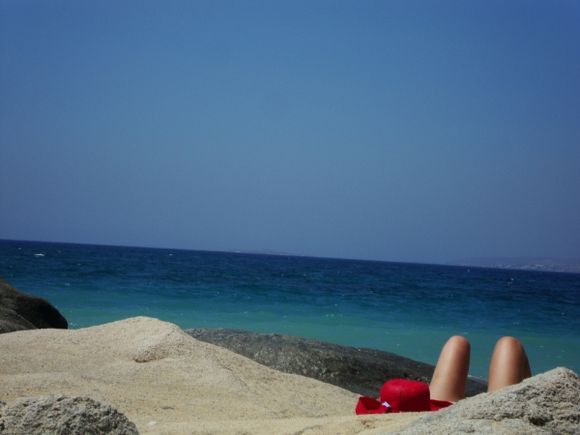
(450, 375)
(509, 364)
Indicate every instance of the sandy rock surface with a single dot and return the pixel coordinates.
(548, 403)
(167, 382)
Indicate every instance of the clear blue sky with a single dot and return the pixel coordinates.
(395, 130)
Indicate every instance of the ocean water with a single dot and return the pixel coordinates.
(409, 309)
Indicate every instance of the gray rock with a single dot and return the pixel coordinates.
(20, 311)
(548, 403)
(359, 370)
(63, 416)
(10, 321)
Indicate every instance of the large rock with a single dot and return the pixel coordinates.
(166, 382)
(548, 403)
(362, 371)
(56, 414)
(20, 311)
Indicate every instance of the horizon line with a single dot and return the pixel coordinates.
(272, 253)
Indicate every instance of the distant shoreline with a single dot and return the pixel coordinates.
(528, 264)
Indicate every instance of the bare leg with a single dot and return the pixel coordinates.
(509, 364)
(450, 376)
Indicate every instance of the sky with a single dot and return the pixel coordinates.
(391, 130)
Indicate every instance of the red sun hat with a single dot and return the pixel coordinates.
(403, 395)
(400, 395)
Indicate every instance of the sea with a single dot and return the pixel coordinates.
(407, 309)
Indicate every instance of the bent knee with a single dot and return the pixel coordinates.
(458, 341)
(509, 341)
(509, 344)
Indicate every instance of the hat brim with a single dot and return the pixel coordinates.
(369, 405)
(436, 405)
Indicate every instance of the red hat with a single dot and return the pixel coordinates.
(401, 395)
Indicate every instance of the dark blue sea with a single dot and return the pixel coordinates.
(409, 309)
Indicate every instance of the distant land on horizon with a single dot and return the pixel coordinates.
(541, 264)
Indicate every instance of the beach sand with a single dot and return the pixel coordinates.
(167, 382)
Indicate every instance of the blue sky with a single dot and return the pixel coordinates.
(393, 130)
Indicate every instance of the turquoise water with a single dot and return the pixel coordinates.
(408, 309)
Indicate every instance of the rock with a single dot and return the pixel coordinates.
(20, 311)
(548, 403)
(64, 416)
(10, 321)
(361, 371)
